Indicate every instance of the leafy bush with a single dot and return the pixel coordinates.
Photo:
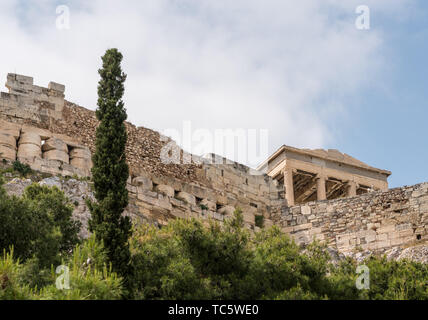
(187, 260)
(259, 221)
(23, 169)
(89, 277)
(39, 224)
(10, 287)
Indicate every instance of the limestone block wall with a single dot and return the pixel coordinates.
(43, 150)
(374, 221)
(217, 192)
(30, 102)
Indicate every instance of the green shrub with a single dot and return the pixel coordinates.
(90, 276)
(10, 286)
(39, 224)
(259, 221)
(23, 169)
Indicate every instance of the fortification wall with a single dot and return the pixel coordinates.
(55, 136)
(43, 150)
(32, 103)
(52, 135)
(216, 193)
(374, 221)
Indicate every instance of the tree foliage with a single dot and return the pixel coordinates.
(110, 171)
(187, 260)
(38, 225)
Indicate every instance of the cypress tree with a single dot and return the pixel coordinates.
(110, 171)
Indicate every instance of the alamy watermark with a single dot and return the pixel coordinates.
(363, 20)
(245, 146)
(63, 17)
(63, 280)
(363, 280)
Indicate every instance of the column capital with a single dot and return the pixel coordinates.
(288, 170)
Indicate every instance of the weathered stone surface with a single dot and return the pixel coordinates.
(226, 210)
(55, 144)
(56, 155)
(143, 183)
(29, 151)
(83, 164)
(211, 205)
(306, 210)
(7, 140)
(7, 153)
(166, 190)
(187, 197)
(30, 138)
(374, 221)
(83, 153)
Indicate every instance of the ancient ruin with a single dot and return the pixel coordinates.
(309, 194)
(309, 175)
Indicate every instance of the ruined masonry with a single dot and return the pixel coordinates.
(309, 194)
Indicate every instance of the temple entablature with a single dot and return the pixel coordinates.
(310, 175)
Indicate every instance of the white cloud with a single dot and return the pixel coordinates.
(282, 65)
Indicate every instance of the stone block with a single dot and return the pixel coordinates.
(11, 132)
(226, 210)
(382, 237)
(211, 205)
(30, 138)
(306, 210)
(301, 219)
(249, 217)
(7, 140)
(55, 144)
(386, 229)
(287, 230)
(56, 155)
(162, 203)
(383, 244)
(187, 197)
(301, 237)
(296, 210)
(7, 153)
(403, 226)
(83, 164)
(302, 227)
(166, 190)
(83, 153)
(143, 183)
(56, 86)
(406, 233)
(42, 133)
(29, 151)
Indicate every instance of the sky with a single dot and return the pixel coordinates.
(299, 70)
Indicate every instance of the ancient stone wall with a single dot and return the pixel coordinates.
(55, 136)
(374, 221)
(218, 190)
(31, 103)
(52, 135)
(43, 150)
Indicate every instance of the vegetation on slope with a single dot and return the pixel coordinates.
(184, 260)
